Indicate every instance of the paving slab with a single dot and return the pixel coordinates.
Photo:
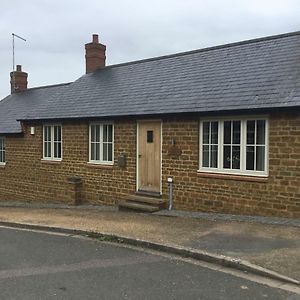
(276, 247)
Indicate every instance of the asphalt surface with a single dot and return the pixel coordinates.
(36, 265)
(270, 246)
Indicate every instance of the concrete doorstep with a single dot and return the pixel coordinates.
(184, 252)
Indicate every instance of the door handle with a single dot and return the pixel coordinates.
(140, 155)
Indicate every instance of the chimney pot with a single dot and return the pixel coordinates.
(95, 38)
(19, 68)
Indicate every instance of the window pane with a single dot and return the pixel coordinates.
(227, 157)
(214, 132)
(236, 157)
(48, 149)
(227, 132)
(105, 152)
(57, 150)
(109, 158)
(93, 131)
(206, 133)
(104, 133)
(97, 133)
(150, 136)
(260, 158)
(97, 151)
(236, 132)
(45, 150)
(205, 156)
(57, 133)
(110, 133)
(260, 132)
(250, 158)
(214, 157)
(250, 132)
(45, 133)
(49, 133)
(93, 153)
(2, 150)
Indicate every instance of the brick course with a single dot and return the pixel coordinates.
(27, 178)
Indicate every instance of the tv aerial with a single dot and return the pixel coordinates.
(13, 46)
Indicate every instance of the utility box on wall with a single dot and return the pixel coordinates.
(122, 161)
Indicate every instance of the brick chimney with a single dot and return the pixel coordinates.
(94, 55)
(18, 80)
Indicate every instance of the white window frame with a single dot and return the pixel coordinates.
(243, 145)
(3, 163)
(101, 161)
(52, 158)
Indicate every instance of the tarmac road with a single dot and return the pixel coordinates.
(36, 265)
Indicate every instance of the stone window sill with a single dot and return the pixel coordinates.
(232, 177)
(2, 165)
(100, 166)
(50, 161)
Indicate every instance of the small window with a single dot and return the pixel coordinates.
(101, 143)
(150, 136)
(234, 146)
(52, 142)
(2, 150)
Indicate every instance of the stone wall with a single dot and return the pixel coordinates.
(28, 178)
(277, 195)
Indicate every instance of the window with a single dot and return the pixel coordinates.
(210, 145)
(52, 142)
(2, 151)
(234, 146)
(101, 143)
(150, 136)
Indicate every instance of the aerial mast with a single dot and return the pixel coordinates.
(13, 46)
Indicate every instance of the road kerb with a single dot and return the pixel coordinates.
(185, 252)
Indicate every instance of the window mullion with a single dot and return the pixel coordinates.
(231, 144)
(52, 142)
(209, 145)
(243, 145)
(266, 146)
(101, 142)
(255, 129)
(200, 144)
(221, 144)
(90, 143)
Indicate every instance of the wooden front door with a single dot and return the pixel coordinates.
(149, 156)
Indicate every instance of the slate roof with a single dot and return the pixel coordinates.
(18, 105)
(257, 74)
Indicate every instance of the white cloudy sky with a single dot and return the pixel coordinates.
(56, 30)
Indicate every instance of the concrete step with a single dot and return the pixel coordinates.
(145, 200)
(130, 205)
(148, 194)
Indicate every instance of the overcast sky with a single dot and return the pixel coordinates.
(56, 30)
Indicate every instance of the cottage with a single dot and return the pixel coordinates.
(221, 123)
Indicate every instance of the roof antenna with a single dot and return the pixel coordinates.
(13, 45)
